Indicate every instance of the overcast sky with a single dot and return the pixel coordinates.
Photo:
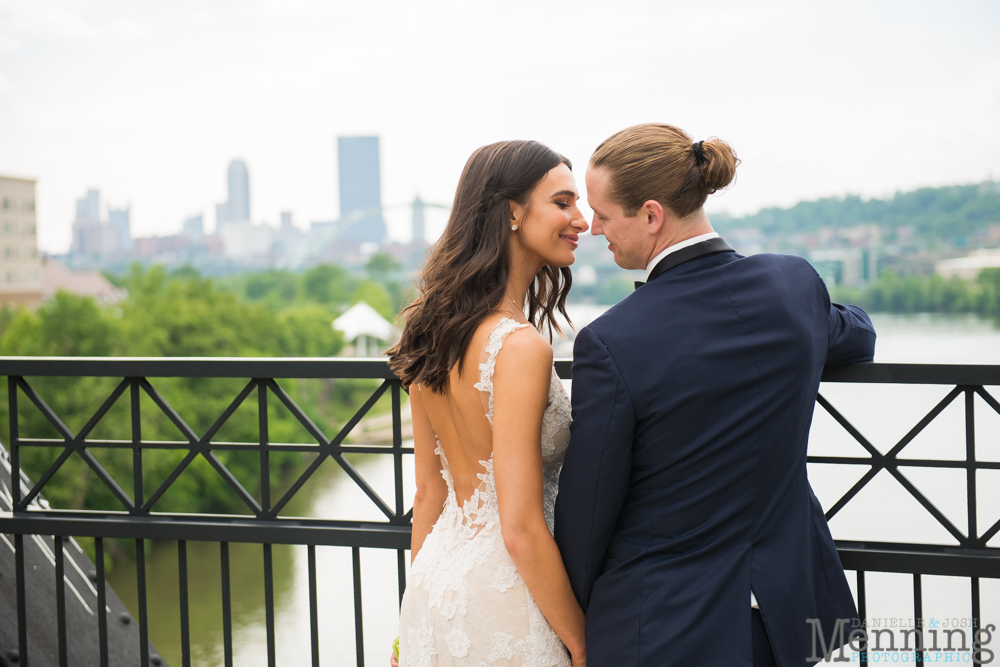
(149, 101)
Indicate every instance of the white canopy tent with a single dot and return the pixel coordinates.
(361, 323)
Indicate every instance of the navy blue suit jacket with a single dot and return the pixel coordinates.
(684, 484)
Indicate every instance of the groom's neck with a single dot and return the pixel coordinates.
(677, 230)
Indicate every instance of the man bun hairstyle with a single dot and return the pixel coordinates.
(661, 162)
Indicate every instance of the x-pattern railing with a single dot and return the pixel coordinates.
(970, 558)
(266, 527)
(891, 462)
(324, 447)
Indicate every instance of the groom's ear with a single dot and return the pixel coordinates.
(653, 215)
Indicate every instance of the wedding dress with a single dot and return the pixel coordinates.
(466, 603)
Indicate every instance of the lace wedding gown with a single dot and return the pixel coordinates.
(466, 604)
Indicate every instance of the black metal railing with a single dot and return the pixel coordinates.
(970, 557)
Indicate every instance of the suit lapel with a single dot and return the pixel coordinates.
(709, 247)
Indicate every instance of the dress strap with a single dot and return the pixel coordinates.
(489, 356)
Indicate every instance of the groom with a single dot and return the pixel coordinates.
(685, 520)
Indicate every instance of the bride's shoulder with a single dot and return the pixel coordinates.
(522, 344)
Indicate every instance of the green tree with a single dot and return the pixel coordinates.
(66, 325)
(927, 294)
(381, 266)
(282, 286)
(377, 297)
(306, 331)
(327, 284)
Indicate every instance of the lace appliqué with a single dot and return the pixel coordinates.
(493, 346)
(466, 603)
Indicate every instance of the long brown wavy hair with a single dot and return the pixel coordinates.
(465, 277)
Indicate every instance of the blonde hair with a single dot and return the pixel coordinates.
(660, 162)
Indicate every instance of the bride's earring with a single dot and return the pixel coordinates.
(513, 228)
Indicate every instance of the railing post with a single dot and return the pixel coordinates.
(313, 607)
(265, 454)
(269, 602)
(15, 449)
(401, 572)
(22, 606)
(970, 462)
(227, 606)
(863, 608)
(136, 448)
(102, 601)
(359, 633)
(976, 603)
(397, 448)
(918, 615)
(397, 456)
(57, 548)
(140, 576)
(182, 579)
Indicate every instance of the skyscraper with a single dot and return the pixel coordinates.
(360, 190)
(89, 235)
(237, 207)
(88, 208)
(119, 219)
(419, 235)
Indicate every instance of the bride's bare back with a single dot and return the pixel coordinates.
(458, 416)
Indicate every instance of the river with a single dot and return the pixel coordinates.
(883, 511)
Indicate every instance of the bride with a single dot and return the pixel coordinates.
(491, 420)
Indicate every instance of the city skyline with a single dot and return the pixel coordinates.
(238, 242)
(865, 98)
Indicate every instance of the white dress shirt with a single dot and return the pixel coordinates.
(677, 246)
(649, 269)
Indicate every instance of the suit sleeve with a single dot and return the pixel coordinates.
(597, 468)
(852, 336)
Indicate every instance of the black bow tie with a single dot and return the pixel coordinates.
(708, 247)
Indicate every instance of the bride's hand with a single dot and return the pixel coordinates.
(394, 663)
(579, 660)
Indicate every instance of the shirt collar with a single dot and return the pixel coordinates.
(678, 246)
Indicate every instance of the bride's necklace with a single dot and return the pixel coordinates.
(515, 305)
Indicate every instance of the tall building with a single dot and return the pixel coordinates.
(119, 220)
(360, 190)
(237, 207)
(419, 234)
(194, 228)
(90, 237)
(20, 265)
(88, 208)
(100, 239)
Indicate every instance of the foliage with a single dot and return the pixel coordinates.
(956, 214)
(930, 294)
(273, 313)
(382, 265)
